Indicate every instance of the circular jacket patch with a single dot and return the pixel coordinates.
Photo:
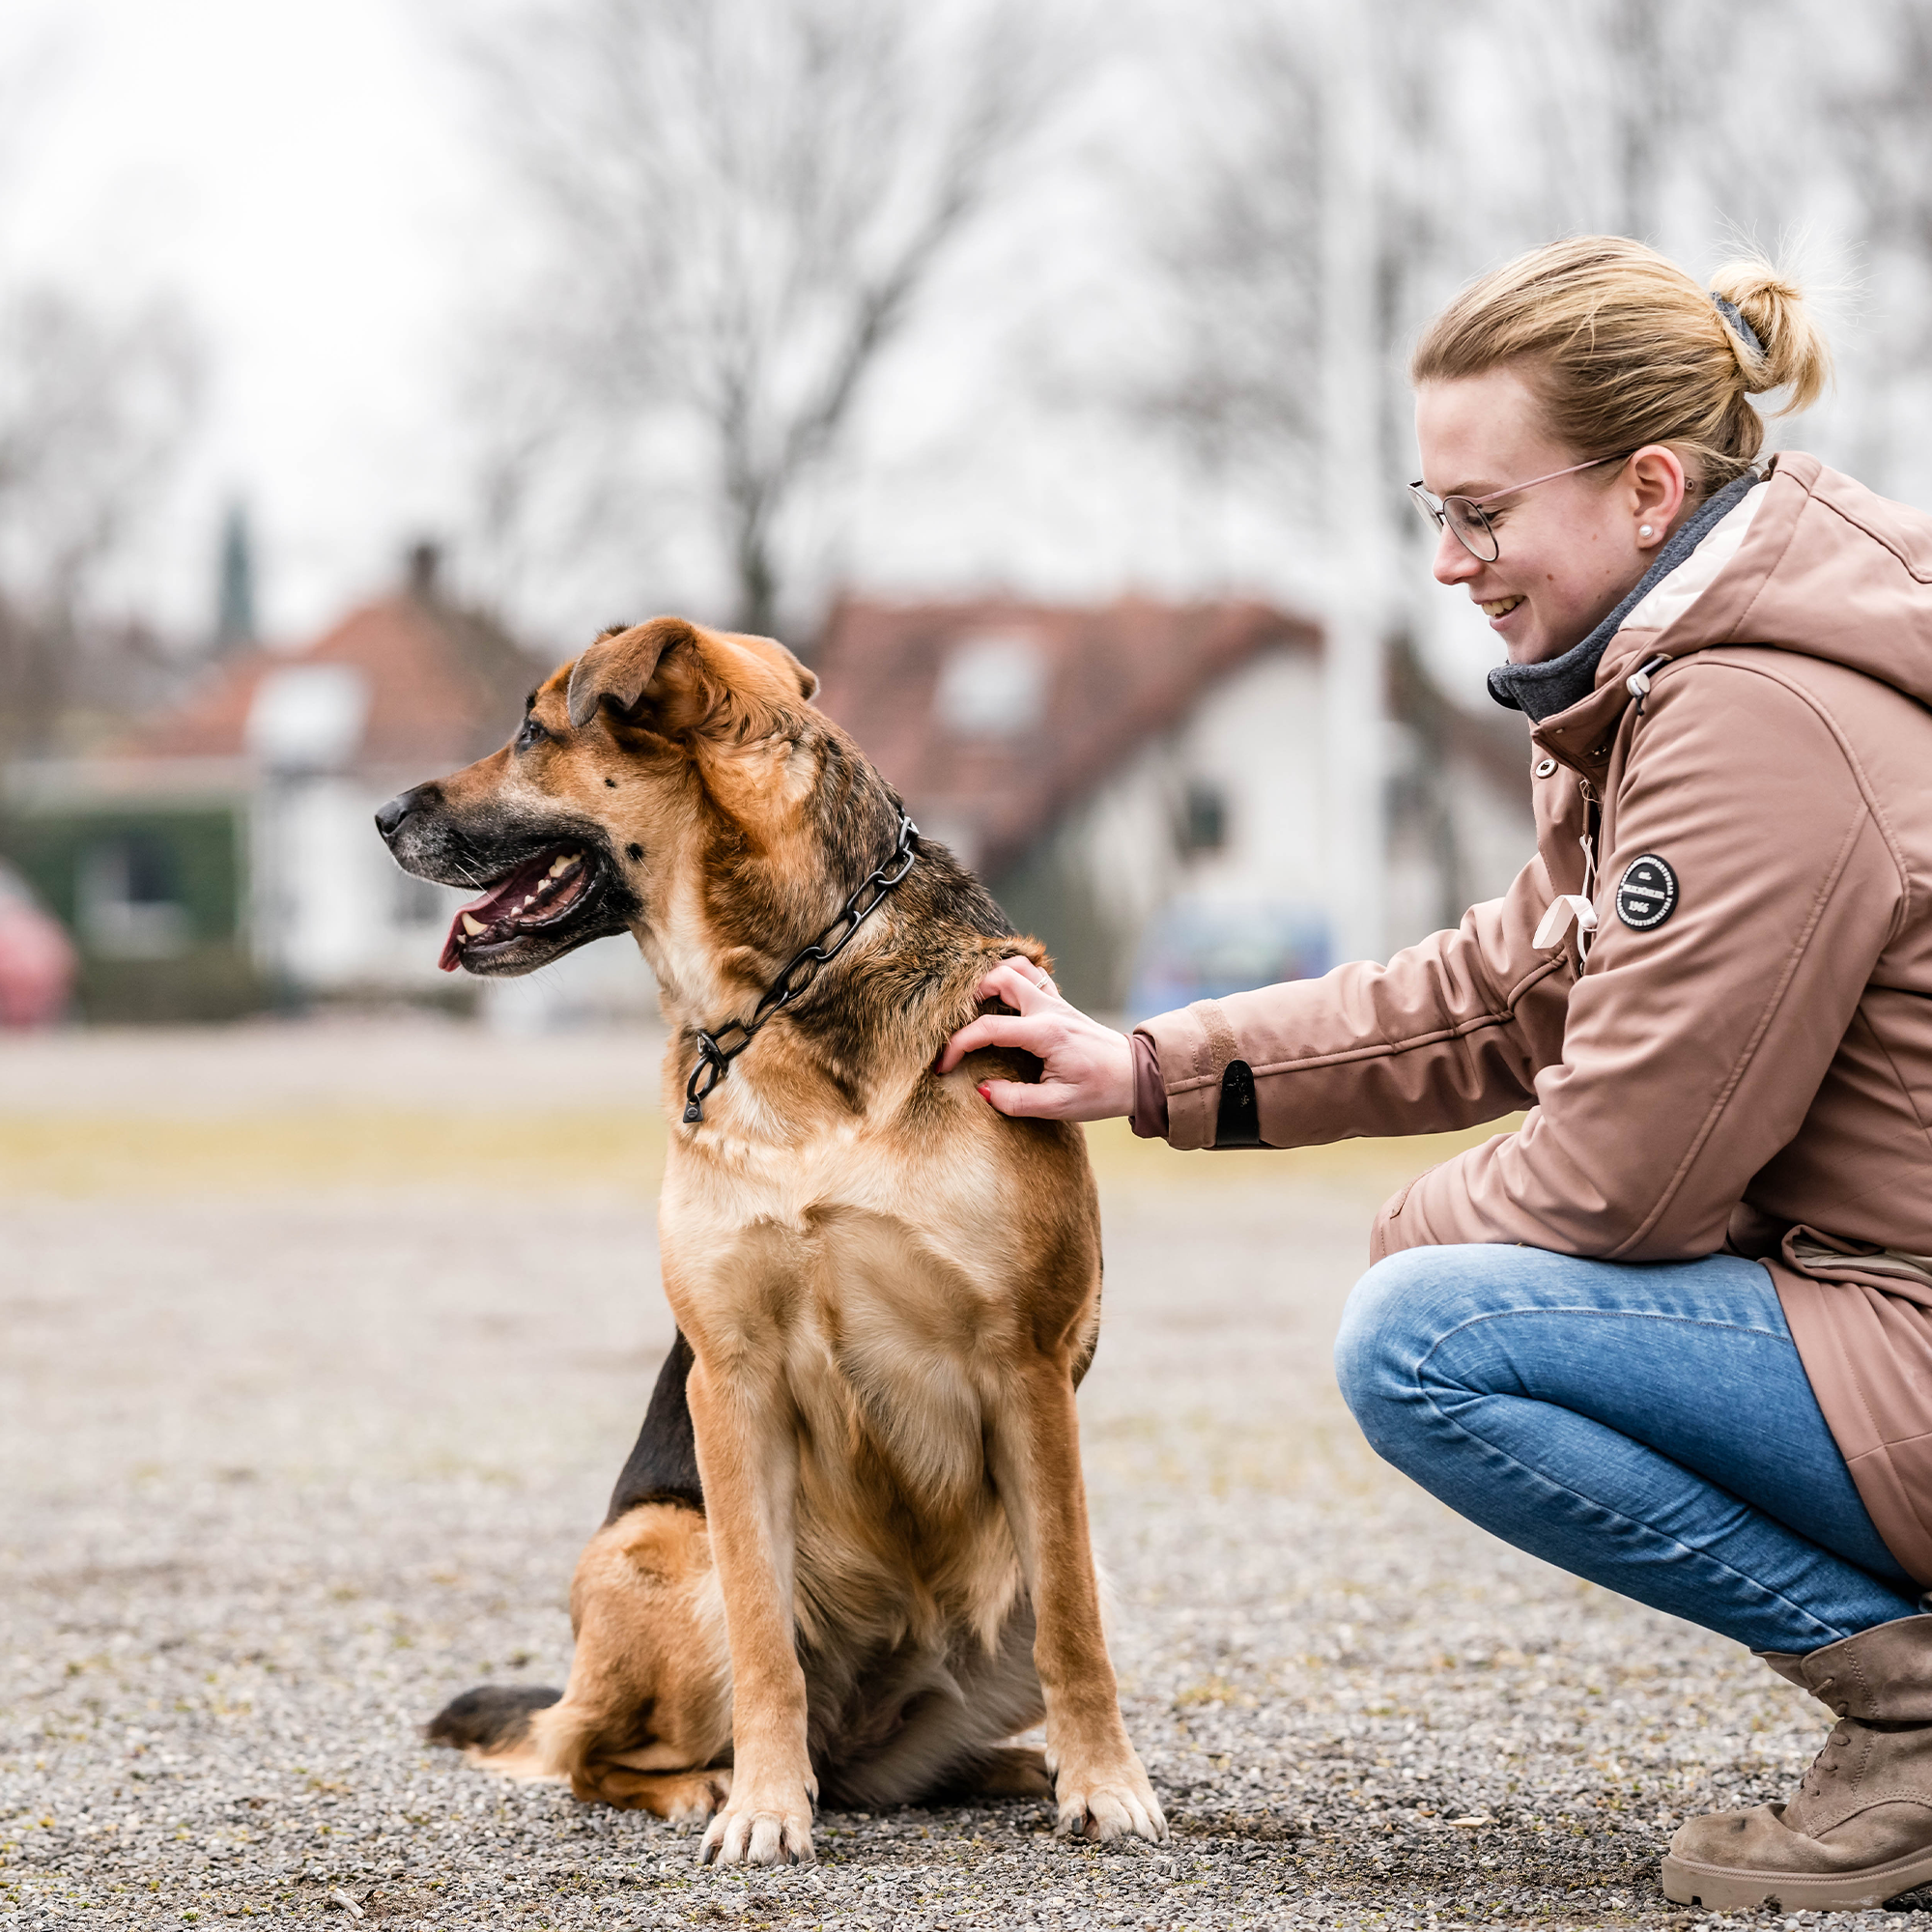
(1648, 894)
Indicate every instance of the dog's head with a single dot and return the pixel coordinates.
(667, 769)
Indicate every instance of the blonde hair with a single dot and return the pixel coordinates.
(1624, 347)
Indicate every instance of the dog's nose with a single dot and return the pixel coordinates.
(398, 808)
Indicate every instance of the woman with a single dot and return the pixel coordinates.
(1675, 1333)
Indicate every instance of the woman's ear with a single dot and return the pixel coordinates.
(619, 671)
(1658, 487)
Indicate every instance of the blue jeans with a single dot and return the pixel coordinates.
(1647, 1426)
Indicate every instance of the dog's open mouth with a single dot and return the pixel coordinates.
(543, 895)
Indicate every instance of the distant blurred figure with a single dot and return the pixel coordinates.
(37, 958)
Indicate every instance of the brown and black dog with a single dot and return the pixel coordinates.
(849, 1557)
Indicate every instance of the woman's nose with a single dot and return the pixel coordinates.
(1453, 563)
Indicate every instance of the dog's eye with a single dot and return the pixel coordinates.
(530, 734)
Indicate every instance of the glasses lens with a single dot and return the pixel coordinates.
(1426, 506)
(1471, 528)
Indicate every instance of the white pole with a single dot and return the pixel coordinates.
(1348, 488)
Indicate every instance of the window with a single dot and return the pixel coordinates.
(992, 686)
(1204, 817)
(128, 899)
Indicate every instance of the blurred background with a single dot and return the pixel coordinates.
(1034, 369)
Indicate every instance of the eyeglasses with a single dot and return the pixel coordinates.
(1465, 518)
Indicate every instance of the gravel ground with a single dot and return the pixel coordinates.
(322, 1346)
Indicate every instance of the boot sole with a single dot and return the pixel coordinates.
(1725, 1888)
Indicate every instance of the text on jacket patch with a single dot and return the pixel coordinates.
(1647, 894)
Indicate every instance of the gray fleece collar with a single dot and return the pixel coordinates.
(1543, 690)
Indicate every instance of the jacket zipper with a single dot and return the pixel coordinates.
(1592, 822)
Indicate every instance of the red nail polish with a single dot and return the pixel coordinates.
(985, 1093)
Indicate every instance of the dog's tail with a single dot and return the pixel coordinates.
(491, 1720)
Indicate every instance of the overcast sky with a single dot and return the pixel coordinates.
(303, 177)
(298, 175)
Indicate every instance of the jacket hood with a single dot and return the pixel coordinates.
(1812, 563)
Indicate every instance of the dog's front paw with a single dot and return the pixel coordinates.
(766, 1824)
(1107, 1799)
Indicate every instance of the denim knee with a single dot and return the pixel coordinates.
(1387, 1328)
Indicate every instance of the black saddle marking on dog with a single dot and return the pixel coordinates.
(1239, 1123)
(489, 1717)
(663, 1465)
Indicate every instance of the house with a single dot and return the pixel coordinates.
(220, 857)
(1143, 785)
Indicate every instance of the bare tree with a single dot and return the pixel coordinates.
(740, 203)
(1880, 131)
(1238, 259)
(93, 412)
(1235, 251)
(1650, 114)
(1243, 264)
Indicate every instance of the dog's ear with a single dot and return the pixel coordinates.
(619, 669)
(788, 663)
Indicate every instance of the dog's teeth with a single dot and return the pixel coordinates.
(473, 927)
(562, 864)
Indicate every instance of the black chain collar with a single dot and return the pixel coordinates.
(714, 1056)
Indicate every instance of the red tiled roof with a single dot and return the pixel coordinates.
(1112, 677)
(444, 688)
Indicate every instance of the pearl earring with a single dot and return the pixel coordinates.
(1643, 529)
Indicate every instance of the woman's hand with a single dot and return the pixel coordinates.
(1087, 1068)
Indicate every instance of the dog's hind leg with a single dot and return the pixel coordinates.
(683, 1797)
(925, 1726)
(1007, 1771)
(650, 1675)
(649, 1686)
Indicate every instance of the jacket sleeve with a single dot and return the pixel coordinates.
(1449, 1033)
(1692, 1049)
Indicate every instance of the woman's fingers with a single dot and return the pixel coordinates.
(1033, 1035)
(1019, 1102)
(1086, 1068)
(1020, 984)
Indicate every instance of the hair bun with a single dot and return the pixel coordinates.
(1793, 352)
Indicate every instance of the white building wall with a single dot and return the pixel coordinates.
(1496, 830)
(337, 918)
(1258, 738)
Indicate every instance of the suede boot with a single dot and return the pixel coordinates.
(1859, 1829)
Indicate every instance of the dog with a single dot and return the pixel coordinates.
(849, 1558)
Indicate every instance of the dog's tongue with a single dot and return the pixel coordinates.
(490, 907)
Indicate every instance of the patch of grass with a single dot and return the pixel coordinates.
(1120, 1157)
(601, 1150)
(78, 1155)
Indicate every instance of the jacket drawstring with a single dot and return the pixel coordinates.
(1577, 908)
(1637, 683)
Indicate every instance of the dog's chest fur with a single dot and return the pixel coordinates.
(890, 1283)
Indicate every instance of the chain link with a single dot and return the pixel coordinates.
(714, 1056)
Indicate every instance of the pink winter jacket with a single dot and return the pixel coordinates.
(1742, 1060)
